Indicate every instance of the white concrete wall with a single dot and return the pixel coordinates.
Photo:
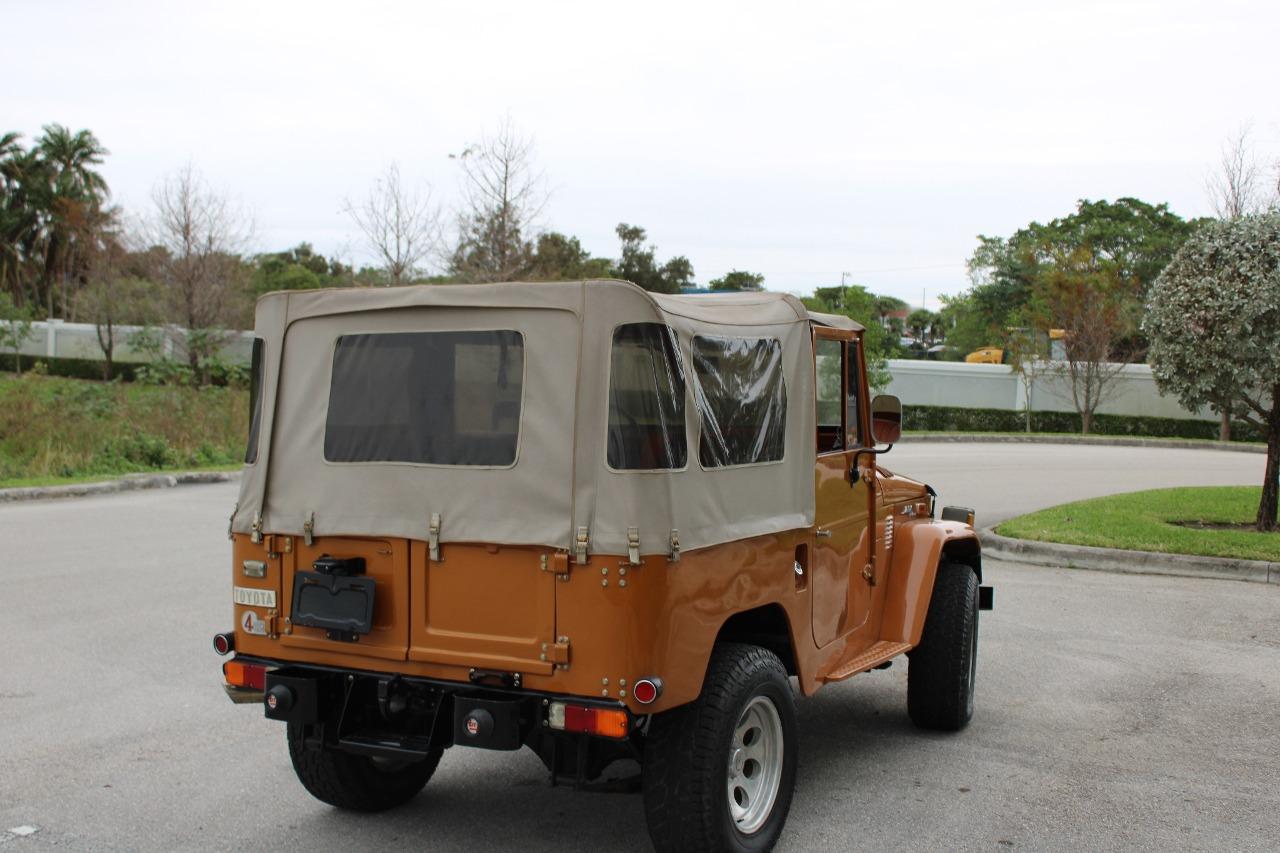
(997, 386)
(56, 339)
(918, 383)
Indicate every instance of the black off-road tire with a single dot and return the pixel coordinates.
(688, 750)
(356, 782)
(943, 668)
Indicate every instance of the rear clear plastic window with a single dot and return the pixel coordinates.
(646, 399)
(741, 400)
(255, 403)
(828, 362)
(431, 398)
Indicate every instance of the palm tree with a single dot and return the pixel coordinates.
(75, 193)
(21, 214)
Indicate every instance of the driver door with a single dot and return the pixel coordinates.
(842, 536)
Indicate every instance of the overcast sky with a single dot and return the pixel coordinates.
(800, 140)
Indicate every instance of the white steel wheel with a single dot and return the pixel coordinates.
(754, 772)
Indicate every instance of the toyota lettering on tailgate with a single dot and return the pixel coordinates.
(255, 597)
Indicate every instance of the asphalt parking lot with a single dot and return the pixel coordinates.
(1115, 712)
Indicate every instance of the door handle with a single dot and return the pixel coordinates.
(822, 533)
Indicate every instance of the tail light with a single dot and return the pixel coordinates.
(250, 675)
(606, 722)
(647, 690)
(225, 643)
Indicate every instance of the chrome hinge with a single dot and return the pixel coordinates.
(255, 530)
(309, 529)
(433, 537)
(580, 543)
(232, 520)
(675, 546)
(633, 545)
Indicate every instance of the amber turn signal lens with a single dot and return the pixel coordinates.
(248, 675)
(606, 722)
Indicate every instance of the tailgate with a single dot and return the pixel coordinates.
(485, 606)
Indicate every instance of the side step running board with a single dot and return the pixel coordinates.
(883, 651)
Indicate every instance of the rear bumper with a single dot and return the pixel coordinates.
(377, 713)
(243, 695)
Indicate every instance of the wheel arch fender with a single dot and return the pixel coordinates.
(920, 548)
(767, 626)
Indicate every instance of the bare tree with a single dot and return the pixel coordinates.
(1236, 188)
(111, 297)
(200, 236)
(504, 194)
(1087, 300)
(400, 225)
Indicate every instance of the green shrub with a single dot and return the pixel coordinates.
(949, 419)
(73, 368)
(138, 450)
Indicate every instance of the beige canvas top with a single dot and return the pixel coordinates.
(560, 481)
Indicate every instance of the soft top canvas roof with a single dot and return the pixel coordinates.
(560, 486)
(729, 309)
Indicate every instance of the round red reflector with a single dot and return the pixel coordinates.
(646, 690)
(222, 643)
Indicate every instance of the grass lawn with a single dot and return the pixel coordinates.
(1144, 521)
(57, 430)
(1098, 437)
(25, 482)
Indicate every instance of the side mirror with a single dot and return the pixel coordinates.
(886, 419)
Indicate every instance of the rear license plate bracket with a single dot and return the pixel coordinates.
(341, 605)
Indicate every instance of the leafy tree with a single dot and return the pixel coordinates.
(52, 202)
(886, 305)
(738, 280)
(922, 324)
(677, 273)
(1214, 320)
(73, 198)
(299, 268)
(638, 263)
(962, 325)
(15, 327)
(1133, 239)
(558, 257)
(859, 304)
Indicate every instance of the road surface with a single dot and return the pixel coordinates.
(1113, 713)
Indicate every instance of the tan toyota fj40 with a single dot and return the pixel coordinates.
(597, 522)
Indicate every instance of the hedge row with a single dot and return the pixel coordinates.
(947, 419)
(73, 368)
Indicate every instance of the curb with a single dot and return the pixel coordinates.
(1126, 562)
(130, 483)
(1105, 441)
